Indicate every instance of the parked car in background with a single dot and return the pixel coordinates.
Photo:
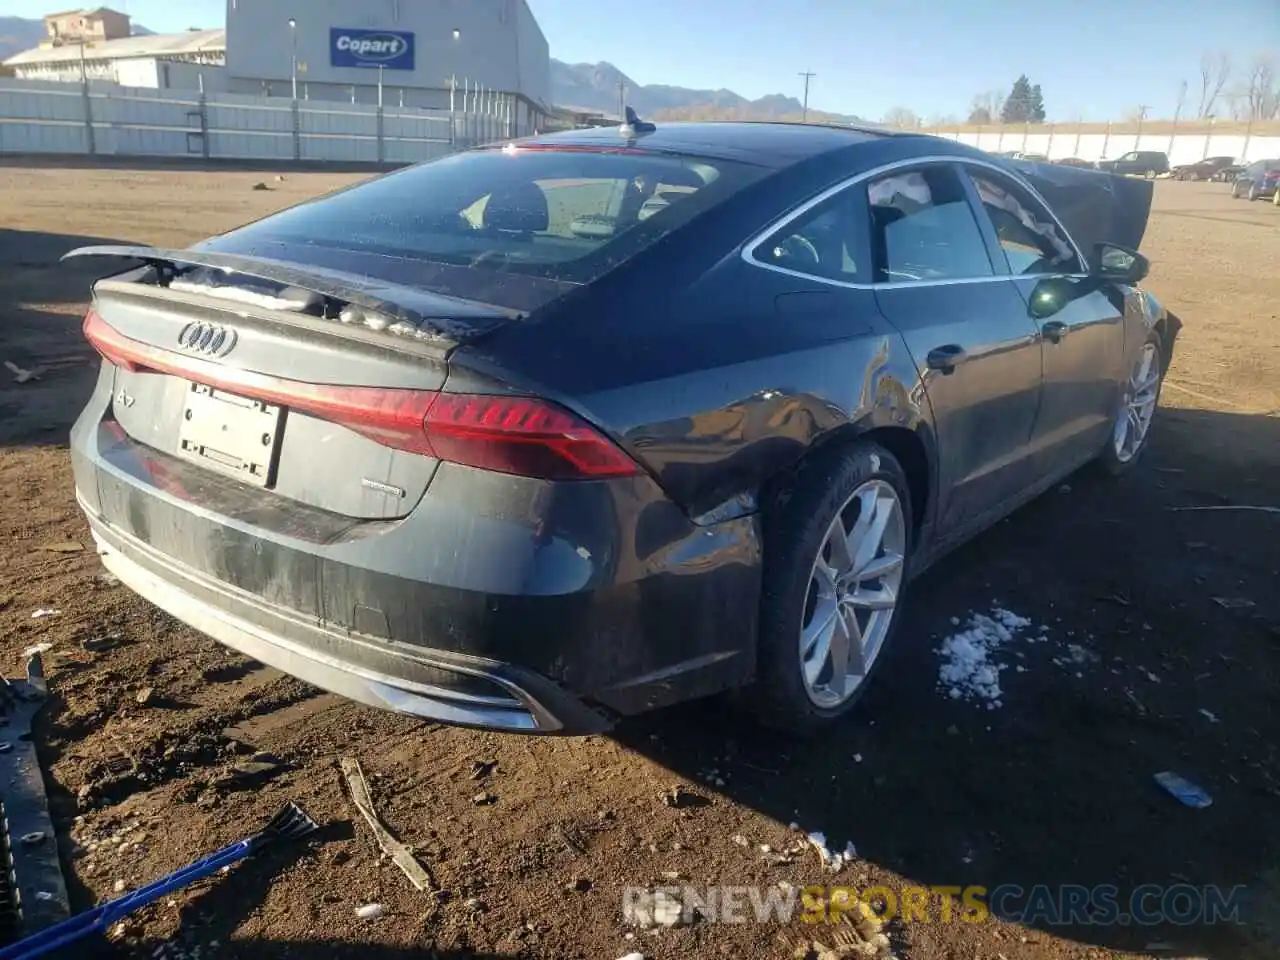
(1075, 162)
(1206, 169)
(1257, 181)
(1227, 174)
(535, 436)
(1143, 163)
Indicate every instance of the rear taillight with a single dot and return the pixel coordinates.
(519, 435)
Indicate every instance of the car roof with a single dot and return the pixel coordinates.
(769, 144)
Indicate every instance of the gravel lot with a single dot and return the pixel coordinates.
(1160, 653)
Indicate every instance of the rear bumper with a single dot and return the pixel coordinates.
(497, 602)
(371, 672)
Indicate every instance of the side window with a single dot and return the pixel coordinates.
(1032, 242)
(820, 243)
(922, 228)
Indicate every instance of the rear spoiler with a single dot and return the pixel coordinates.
(1094, 206)
(448, 318)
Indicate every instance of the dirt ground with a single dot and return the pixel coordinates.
(1163, 637)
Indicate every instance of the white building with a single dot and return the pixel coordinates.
(485, 56)
(158, 60)
(339, 49)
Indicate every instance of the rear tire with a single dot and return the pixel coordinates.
(1253, 191)
(798, 687)
(1131, 428)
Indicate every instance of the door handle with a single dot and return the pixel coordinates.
(946, 358)
(1054, 330)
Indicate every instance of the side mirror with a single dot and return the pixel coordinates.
(1112, 262)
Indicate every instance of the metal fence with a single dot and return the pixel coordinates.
(108, 119)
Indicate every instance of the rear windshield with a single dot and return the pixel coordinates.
(566, 215)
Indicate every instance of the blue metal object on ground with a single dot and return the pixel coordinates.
(291, 823)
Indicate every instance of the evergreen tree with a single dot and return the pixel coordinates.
(1036, 113)
(1017, 105)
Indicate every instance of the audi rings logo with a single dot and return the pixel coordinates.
(208, 339)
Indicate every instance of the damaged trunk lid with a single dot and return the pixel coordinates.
(303, 382)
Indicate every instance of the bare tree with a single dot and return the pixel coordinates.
(901, 117)
(942, 120)
(1215, 69)
(1182, 101)
(986, 107)
(1258, 98)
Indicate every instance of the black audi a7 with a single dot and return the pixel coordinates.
(536, 436)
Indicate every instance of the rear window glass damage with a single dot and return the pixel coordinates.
(558, 214)
(1032, 244)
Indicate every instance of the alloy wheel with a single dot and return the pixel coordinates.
(853, 592)
(1138, 405)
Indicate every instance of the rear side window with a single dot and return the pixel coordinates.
(922, 228)
(1032, 242)
(820, 243)
(559, 214)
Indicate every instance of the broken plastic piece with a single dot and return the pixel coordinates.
(1183, 790)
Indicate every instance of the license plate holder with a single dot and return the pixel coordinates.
(234, 435)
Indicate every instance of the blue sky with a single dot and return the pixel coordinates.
(1096, 59)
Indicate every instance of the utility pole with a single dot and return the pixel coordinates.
(1142, 115)
(622, 97)
(293, 69)
(807, 77)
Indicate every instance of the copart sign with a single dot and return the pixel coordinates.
(392, 49)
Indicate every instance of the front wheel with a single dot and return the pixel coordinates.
(1253, 191)
(837, 542)
(1235, 191)
(1275, 197)
(1136, 409)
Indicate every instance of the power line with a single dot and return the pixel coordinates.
(807, 77)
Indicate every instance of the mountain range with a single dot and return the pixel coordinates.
(590, 87)
(18, 34)
(595, 87)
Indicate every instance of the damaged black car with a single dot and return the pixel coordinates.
(537, 436)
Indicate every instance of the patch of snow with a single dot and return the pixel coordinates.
(968, 670)
(835, 862)
(35, 648)
(42, 613)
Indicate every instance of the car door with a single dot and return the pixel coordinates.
(1080, 323)
(1245, 179)
(1127, 163)
(968, 331)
